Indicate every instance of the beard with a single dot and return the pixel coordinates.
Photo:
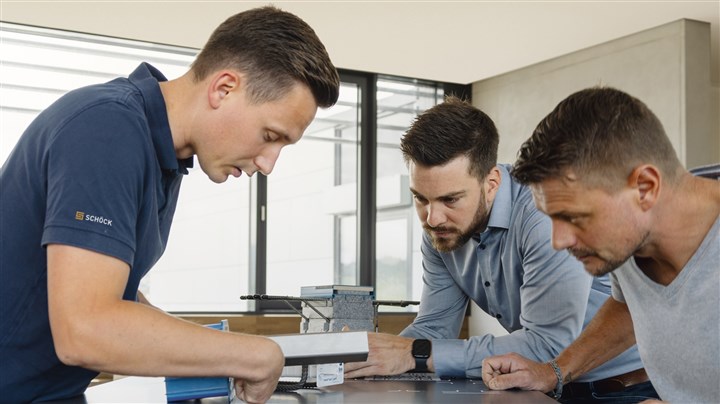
(456, 238)
(607, 264)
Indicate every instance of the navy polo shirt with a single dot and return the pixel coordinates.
(95, 170)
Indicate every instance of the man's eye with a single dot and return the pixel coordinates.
(575, 220)
(571, 219)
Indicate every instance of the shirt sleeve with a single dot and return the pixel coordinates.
(443, 303)
(553, 304)
(95, 181)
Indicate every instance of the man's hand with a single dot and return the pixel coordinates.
(388, 355)
(260, 390)
(255, 392)
(512, 370)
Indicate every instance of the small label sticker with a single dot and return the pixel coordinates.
(329, 374)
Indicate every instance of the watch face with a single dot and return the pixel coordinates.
(421, 348)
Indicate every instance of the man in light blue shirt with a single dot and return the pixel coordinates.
(485, 240)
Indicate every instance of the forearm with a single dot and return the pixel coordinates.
(465, 357)
(609, 334)
(135, 339)
(94, 328)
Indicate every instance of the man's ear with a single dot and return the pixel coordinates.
(492, 181)
(646, 179)
(223, 83)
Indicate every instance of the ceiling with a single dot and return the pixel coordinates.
(454, 41)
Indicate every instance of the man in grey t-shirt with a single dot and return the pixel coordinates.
(602, 168)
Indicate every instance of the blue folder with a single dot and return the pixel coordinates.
(190, 388)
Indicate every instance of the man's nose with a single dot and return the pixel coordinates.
(435, 215)
(265, 162)
(562, 235)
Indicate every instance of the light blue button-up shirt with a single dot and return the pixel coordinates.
(542, 297)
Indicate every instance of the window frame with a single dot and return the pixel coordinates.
(367, 191)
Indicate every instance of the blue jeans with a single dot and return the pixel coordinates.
(582, 393)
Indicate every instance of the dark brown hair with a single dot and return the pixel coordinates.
(449, 130)
(600, 135)
(275, 50)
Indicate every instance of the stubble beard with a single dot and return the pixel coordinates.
(608, 264)
(459, 238)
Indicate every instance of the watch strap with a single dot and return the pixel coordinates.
(421, 350)
(421, 364)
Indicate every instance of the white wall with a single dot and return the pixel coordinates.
(666, 67)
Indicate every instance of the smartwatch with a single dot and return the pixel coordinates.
(421, 349)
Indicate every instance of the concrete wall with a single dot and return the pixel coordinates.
(667, 67)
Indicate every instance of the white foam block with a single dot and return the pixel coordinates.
(323, 347)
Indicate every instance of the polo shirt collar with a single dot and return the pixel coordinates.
(146, 79)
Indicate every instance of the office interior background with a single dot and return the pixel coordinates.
(337, 209)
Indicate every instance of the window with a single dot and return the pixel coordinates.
(311, 190)
(399, 102)
(335, 210)
(39, 65)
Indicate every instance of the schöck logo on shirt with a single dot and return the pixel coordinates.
(92, 218)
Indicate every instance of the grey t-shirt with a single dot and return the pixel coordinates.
(677, 327)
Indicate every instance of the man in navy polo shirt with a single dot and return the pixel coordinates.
(88, 196)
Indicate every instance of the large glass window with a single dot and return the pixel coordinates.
(311, 190)
(206, 265)
(38, 65)
(336, 208)
(398, 103)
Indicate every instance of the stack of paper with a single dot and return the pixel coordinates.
(334, 290)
